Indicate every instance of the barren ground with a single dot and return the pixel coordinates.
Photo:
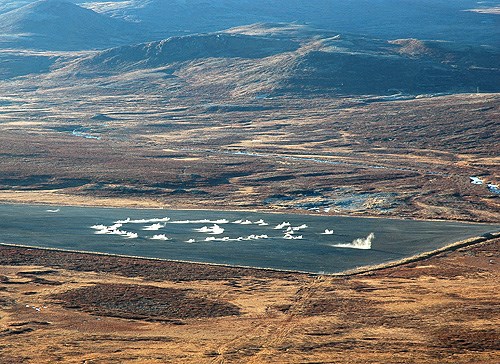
(76, 308)
(350, 155)
(408, 158)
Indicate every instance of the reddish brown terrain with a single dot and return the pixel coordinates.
(82, 308)
(275, 117)
(401, 158)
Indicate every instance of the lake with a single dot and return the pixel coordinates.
(309, 243)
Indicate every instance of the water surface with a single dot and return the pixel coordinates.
(70, 228)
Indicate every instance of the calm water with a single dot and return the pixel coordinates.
(71, 228)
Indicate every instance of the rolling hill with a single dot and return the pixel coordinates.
(287, 59)
(62, 25)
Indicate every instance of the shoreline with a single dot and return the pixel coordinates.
(262, 211)
(347, 273)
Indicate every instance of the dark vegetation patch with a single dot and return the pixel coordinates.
(47, 282)
(6, 303)
(130, 267)
(34, 279)
(275, 179)
(37, 272)
(10, 332)
(25, 323)
(460, 339)
(144, 302)
(41, 182)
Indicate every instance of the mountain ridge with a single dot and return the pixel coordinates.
(300, 61)
(62, 25)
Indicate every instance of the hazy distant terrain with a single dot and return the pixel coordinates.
(273, 115)
(61, 25)
(466, 21)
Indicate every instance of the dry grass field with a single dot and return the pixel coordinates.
(408, 158)
(301, 121)
(80, 308)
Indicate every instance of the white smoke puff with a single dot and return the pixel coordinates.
(281, 226)
(160, 237)
(147, 221)
(154, 227)
(204, 221)
(298, 228)
(102, 231)
(204, 229)
(99, 227)
(359, 243)
(215, 229)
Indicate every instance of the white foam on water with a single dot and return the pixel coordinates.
(53, 211)
(327, 232)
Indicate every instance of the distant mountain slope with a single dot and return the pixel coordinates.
(62, 25)
(15, 65)
(354, 65)
(186, 48)
(288, 59)
(424, 19)
(8, 5)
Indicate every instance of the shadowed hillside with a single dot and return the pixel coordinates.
(62, 25)
(285, 59)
